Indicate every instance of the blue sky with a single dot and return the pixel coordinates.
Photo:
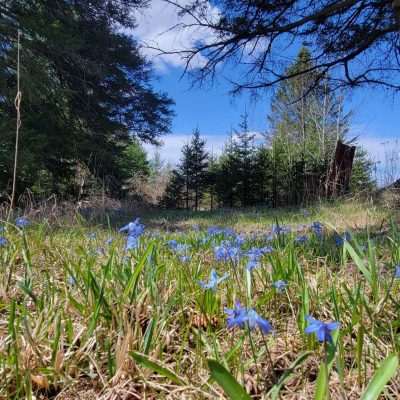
(376, 115)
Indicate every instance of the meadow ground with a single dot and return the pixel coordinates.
(83, 317)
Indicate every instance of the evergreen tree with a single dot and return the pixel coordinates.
(190, 177)
(86, 90)
(198, 167)
(226, 175)
(173, 197)
(245, 153)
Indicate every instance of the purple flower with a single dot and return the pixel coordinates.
(240, 316)
(321, 329)
(214, 281)
(280, 285)
(3, 241)
(22, 222)
(397, 272)
(109, 241)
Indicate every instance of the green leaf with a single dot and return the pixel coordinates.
(225, 379)
(381, 377)
(358, 261)
(148, 336)
(321, 390)
(134, 278)
(145, 361)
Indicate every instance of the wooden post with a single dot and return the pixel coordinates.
(338, 180)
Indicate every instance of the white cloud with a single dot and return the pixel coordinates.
(170, 151)
(385, 152)
(160, 26)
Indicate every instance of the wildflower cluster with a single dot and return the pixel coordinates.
(254, 255)
(227, 252)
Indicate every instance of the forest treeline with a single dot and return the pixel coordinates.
(288, 165)
(87, 95)
(88, 104)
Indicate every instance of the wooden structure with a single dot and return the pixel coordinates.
(338, 179)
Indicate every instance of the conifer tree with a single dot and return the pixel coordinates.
(198, 167)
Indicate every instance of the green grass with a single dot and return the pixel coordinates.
(80, 317)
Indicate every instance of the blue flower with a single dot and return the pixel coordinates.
(301, 239)
(184, 258)
(215, 231)
(321, 329)
(252, 264)
(280, 285)
(92, 235)
(339, 240)
(280, 230)
(172, 244)
(3, 241)
(239, 240)
(237, 316)
(240, 316)
(71, 280)
(2, 229)
(226, 252)
(318, 229)
(397, 272)
(214, 281)
(134, 228)
(22, 222)
(109, 241)
(254, 254)
(131, 243)
(254, 320)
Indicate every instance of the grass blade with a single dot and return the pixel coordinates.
(381, 377)
(225, 379)
(145, 361)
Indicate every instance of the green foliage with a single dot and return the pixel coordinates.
(382, 376)
(190, 179)
(86, 91)
(82, 305)
(225, 379)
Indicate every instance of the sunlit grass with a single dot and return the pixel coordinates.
(81, 314)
